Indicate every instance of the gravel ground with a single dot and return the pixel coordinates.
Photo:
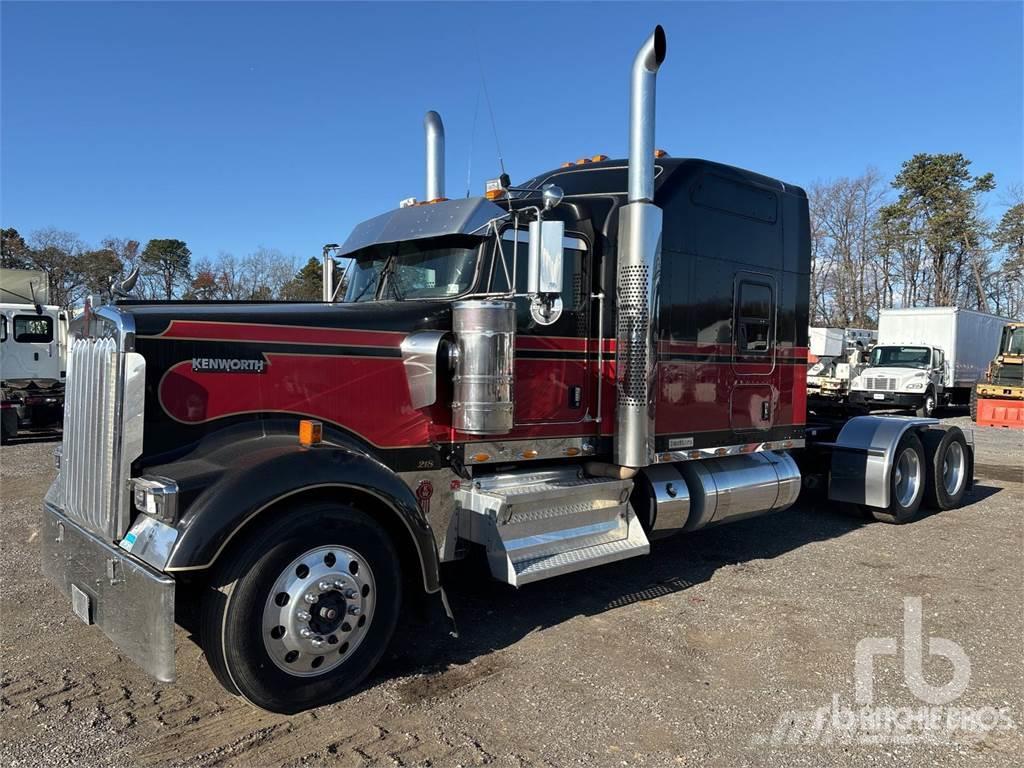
(706, 652)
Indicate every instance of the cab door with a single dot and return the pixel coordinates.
(553, 369)
(755, 396)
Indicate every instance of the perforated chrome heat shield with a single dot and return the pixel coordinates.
(639, 253)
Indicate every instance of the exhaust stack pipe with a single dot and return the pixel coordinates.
(435, 156)
(641, 116)
(639, 261)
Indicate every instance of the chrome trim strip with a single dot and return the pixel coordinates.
(696, 454)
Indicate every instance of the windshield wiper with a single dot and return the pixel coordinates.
(390, 270)
(373, 282)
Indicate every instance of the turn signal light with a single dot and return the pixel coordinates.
(598, 158)
(572, 451)
(530, 454)
(568, 164)
(494, 194)
(478, 457)
(310, 433)
(660, 153)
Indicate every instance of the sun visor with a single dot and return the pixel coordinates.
(468, 216)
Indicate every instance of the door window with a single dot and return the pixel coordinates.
(33, 329)
(3, 327)
(753, 336)
(574, 290)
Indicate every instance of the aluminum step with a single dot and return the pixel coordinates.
(536, 525)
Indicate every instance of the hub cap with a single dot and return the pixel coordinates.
(318, 610)
(954, 466)
(907, 476)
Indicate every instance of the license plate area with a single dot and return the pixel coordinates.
(878, 396)
(81, 604)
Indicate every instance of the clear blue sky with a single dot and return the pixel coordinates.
(243, 124)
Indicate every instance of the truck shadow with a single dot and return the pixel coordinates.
(492, 616)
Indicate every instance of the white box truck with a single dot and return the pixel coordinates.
(33, 354)
(926, 358)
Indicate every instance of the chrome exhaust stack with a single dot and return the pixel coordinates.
(434, 129)
(639, 259)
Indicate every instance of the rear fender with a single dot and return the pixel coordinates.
(262, 482)
(862, 458)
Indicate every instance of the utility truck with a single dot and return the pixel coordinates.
(835, 357)
(33, 349)
(552, 375)
(927, 358)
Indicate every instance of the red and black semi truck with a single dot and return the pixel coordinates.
(553, 375)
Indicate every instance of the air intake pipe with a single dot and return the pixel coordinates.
(434, 129)
(639, 259)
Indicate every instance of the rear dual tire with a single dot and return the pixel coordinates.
(267, 643)
(932, 468)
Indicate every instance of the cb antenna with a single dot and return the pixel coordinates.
(490, 109)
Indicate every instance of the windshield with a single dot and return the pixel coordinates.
(418, 269)
(902, 357)
(1015, 344)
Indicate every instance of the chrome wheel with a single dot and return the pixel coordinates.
(318, 610)
(907, 477)
(954, 468)
(929, 405)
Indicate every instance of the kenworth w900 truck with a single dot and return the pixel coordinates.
(553, 375)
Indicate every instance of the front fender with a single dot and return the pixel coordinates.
(260, 479)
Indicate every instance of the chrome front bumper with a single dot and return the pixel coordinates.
(132, 603)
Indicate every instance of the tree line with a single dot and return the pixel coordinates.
(921, 239)
(166, 266)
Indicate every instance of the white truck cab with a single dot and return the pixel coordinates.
(903, 376)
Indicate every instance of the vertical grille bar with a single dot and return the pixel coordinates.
(90, 410)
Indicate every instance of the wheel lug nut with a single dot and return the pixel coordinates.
(351, 594)
(303, 616)
(310, 598)
(306, 632)
(317, 642)
(354, 610)
(339, 584)
(323, 586)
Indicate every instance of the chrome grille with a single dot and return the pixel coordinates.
(881, 383)
(89, 466)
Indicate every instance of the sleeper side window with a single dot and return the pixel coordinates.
(33, 329)
(753, 334)
(3, 327)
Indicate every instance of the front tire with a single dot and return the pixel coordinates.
(300, 613)
(928, 405)
(906, 482)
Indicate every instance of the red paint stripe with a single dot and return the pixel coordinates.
(283, 334)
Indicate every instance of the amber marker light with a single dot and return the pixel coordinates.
(310, 433)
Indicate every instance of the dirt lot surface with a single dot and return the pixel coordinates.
(708, 652)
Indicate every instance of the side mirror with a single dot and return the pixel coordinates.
(545, 259)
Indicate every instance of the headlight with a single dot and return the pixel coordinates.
(156, 496)
(916, 385)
